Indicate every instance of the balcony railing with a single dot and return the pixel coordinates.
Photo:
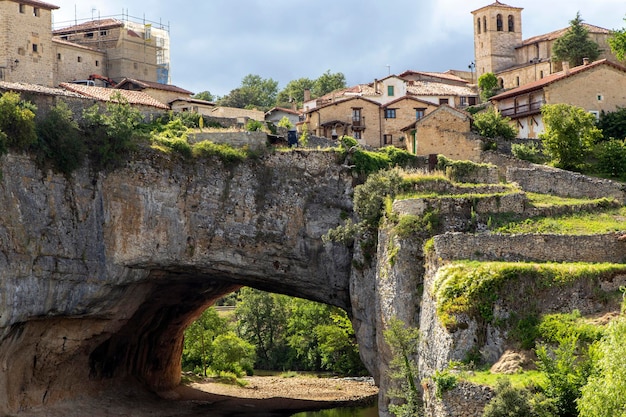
(358, 123)
(522, 109)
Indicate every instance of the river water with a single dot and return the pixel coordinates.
(370, 411)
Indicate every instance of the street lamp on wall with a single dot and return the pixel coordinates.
(471, 67)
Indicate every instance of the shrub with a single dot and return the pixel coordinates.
(232, 354)
(17, 121)
(226, 153)
(60, 139)
(254, 125)
(444, 382)
(611, 156)
(369, 197)
(528, 152)
(491, 124)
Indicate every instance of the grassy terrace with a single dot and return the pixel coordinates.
(472, 288)
(582, 223)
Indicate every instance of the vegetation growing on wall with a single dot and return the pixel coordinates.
(472, 288)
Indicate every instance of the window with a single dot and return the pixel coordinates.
(478, 25)
(357, 134)
(517, 81)
(540, 74)
(485, 23)
(36, 11)
(387, 140)
(58, 57)
(511, 23)
(104, 33)
(80, 59)
(89, 35)
(390, 91)
(97, 63)
(64, 37)
(596, 114)
(22, 8)
(390, 113)
(499, 23)
(443, 101)
(35, 48)
(419, 113)
(472, 101)
(600, 98)
(356, 115)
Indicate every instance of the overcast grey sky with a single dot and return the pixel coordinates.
(215, 43)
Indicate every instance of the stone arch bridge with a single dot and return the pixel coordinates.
(101, 273)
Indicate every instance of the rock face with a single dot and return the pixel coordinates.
(100, 275)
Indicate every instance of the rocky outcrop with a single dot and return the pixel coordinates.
(100, 274)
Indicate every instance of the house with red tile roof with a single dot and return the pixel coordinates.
(596, 87)
(102, 94)
(165, 93)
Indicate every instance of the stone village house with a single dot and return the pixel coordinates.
(596, 87)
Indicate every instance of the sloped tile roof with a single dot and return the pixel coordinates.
(552, 78)
(442, 75)
(284, 110)
(89, 26)
(75, 45)
(106, 94)
(37, 89)
(426, 88)
(152, 85)
(558, 33)
(497, 4)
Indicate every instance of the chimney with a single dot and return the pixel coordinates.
(376, 85)
(565, 67)
(307, 94)
(585, 61)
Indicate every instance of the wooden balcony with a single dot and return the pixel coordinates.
(522, 110)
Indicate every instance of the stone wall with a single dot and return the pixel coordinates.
(547, 180)
(464, 400)
(531, 247)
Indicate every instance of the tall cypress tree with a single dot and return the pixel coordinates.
(574, 45)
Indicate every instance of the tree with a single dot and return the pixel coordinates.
(569, 134)
(294, 92)
(491, 124)
(254, 92)
(605, 393)
(404, 342)
(199, 341)
(613, 124)
(232, 354)
(204, 95)
(262, 320)
(617, 42)
(17, 121)
(566, 369)
(488, 85)
(59, 139)
(574, 45)
(327, 83)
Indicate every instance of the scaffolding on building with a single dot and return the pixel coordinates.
(154, 32)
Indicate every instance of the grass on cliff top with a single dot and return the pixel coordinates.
(472, 288)
(582, 223)
(520, 380)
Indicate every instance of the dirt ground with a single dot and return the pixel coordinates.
(263, 396)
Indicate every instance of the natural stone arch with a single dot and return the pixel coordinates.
(102, 275)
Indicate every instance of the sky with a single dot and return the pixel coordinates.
(216, 43)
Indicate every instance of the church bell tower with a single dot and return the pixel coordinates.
(497, 32)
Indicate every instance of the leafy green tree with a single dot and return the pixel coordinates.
(488, 85)
(60, 139)
(254, 92)
(304, 317)
(605, 393)
(285, 122)
(204, 95)
(617, 42)
(111, 133)
(327, 83)
(491, 124)
(510, 401)
(338, 347)
(574, 45)
(611, 157)
(232, 354)
(199, 341)
(404, 343)
(566, 372)
(262, 321)
(613, 124)
(569, 135)
(17, 121)
(294, 91)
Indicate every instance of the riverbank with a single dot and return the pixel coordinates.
(262, 396)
